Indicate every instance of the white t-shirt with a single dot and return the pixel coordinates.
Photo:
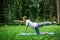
(31, 24)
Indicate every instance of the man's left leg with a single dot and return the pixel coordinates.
(37, 30)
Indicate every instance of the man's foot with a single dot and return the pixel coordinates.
(53, 22)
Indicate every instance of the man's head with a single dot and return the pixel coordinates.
(24, 18)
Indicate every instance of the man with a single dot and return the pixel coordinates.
(34, 25)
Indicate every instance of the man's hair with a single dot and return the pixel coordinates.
(24, 17)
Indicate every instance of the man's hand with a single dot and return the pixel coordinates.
(15, 20)
(20, 21)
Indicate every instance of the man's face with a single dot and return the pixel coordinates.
(24, 19)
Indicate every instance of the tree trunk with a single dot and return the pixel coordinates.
(58, 11)
(44, 11)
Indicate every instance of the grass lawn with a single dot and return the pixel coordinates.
(10, 32)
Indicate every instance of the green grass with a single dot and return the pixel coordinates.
(10, 32)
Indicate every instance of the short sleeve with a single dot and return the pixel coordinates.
(27, 22)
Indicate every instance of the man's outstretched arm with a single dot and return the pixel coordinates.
(18, 21)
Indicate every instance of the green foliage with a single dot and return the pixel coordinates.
(33, 9)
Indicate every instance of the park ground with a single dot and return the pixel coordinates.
(10, 32)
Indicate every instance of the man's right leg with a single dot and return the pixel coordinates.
(47, 23)
(44, 23)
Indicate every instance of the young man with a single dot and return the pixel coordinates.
(34, 25)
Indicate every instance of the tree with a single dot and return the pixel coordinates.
(58, 11)
(33, 9)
